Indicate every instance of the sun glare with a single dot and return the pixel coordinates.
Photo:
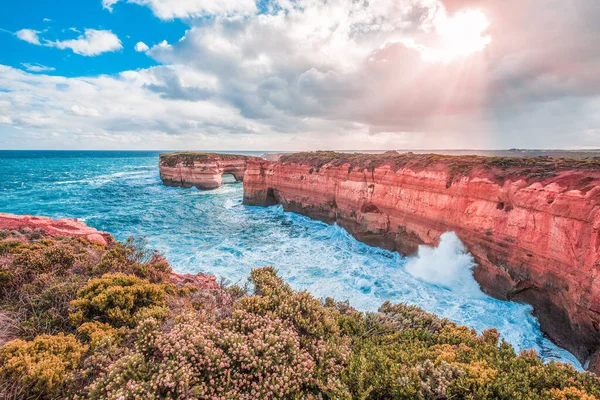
(460, 35)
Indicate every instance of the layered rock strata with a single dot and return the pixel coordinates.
(201, 170)
(532, 225)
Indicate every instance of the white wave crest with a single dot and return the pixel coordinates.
(447, 265)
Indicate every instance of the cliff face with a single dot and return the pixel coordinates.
(532, 225)
(202, 170)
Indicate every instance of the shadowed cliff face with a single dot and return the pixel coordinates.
(201, 170)
(532, 225)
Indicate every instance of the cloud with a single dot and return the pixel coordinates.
(37, 67)
(141, 47)
(309, 74)
(107, 4)
(170, 9)
(92, 43)
(29, 35)
(81, 111)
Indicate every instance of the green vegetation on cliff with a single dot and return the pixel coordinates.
(188, 158)
(79, 320)
(501, 168)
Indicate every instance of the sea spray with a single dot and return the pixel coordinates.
(448, 265)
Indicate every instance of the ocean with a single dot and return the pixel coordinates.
(213, 232)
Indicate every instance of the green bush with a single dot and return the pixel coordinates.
(39, 368)
(115, 299)
(133, 258)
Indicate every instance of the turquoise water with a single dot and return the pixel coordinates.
(120, 192)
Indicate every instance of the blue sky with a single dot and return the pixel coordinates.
(54, 19)
(299, 74)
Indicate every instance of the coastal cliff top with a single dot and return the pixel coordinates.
(398, 160)
(498, 169)
(187, 158)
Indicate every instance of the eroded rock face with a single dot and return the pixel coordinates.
(201, 170)
(532, 225)
(54, 227)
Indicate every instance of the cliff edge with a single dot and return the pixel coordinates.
(532, 224)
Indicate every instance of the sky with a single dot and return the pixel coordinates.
(299, 74)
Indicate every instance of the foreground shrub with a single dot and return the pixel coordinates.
(133, 258)
(138, 337)
(39, 368)
(243, 357)
(316, 324)
(116, 299)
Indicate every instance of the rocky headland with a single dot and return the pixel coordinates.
(45, 227)
(53, 227)
(532, 224)
(201, 170)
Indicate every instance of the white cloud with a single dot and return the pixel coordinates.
(83, 111)
(47, 20)
(92, 43)
(334, 74)
(170, 9)
(107, 4)
(141, 47)
(29, 35)
(34, 67)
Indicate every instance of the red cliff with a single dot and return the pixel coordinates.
(202, 170)
(54, 227)
(532, 225)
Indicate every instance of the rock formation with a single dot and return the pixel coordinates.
(532, 225)
(53, 227)
(202, 170)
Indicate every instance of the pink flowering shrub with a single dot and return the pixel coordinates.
(246, 356)
(316, 324)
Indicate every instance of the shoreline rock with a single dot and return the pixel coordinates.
(532, 225)
(54, 227)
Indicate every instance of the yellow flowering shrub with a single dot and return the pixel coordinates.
(115, 299)
(41, 367)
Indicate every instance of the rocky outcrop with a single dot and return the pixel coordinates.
(532, 225)
(201, 170)
(53, 227)
(44, 226)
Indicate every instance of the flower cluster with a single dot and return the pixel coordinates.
(246, 356)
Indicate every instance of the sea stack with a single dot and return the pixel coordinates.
(532, 224)
(201, 170)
